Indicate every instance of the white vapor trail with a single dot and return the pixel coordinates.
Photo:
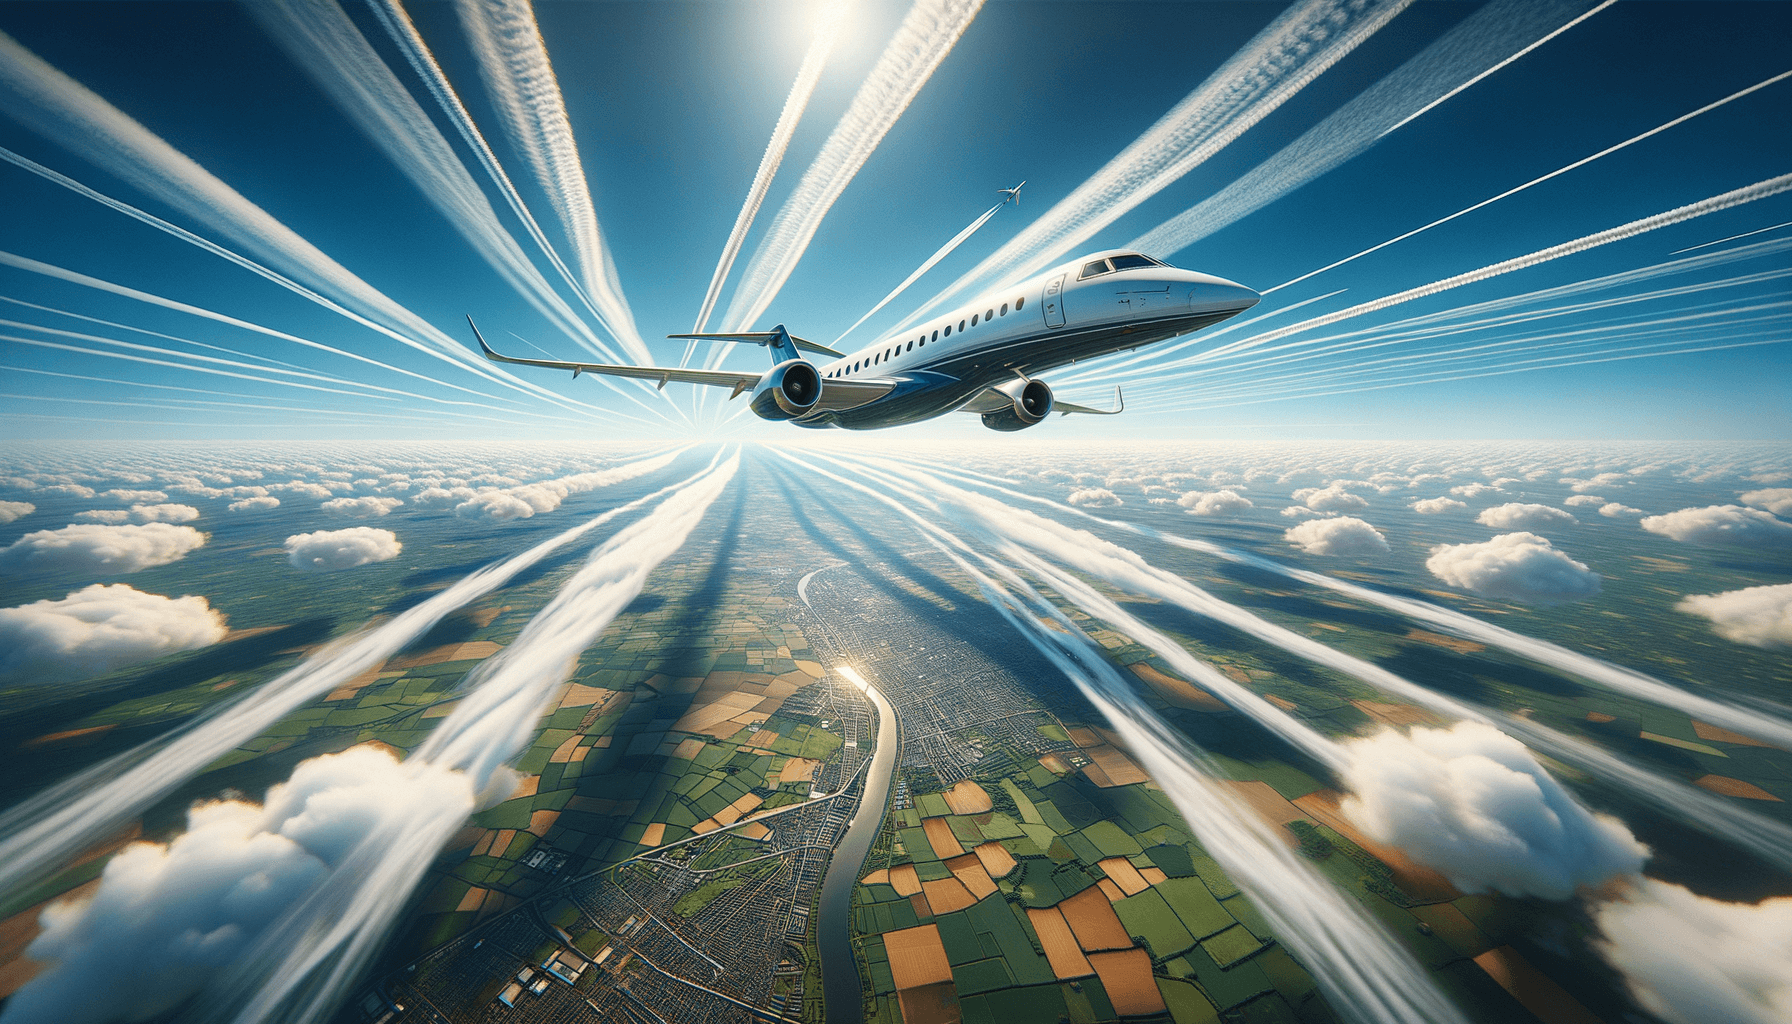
(1363, 971)
(1734, 197)
(1281, 60)
(1484, 42)
(1765, 838)
(932, 261)
(1582, 162)
(41, 834)
(303, 965)
(513, 60)
(69, 114)
(927, 33)
(827, 30)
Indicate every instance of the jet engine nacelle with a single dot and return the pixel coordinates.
(789, 390)
(1029, 401)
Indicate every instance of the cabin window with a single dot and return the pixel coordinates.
(911, 346)
(1133, 261)
(936, 335)
(961, 325)
(1004, 309)
(1095, 269)
(989, 315)
(973, 319)
(948, 330)
(1019, 303)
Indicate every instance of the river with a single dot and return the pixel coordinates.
(839, 970)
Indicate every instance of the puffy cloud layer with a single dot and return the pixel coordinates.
(1519, 516)
(1095, 497)
(167, 918)
(1777, 500)
(123, 494)
(97, 549)
(1434, 506)
(1515, 567)
(360, 508)
(1214, 503)
(11, 511)
(1723, 524)
(329, 550)
(1472, 803)
(93, 631)
(255, 504)
(1575, 501)
(1613, 510)
(164, 513)
(1692, 960)
(1761, 616)
(1332, 498)
(1345, 535)
(1475, 490)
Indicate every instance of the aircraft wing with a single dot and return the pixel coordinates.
(990, 400)
(734, 379)
(1066, 408)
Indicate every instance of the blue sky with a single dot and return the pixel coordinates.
(672, 104)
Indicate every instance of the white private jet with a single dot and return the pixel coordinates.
(982, 358)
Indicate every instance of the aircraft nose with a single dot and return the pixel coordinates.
(1214, 294)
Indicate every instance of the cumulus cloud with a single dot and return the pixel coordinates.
(11, 511)
(1613, 509)
(1296, 511)
(167, 918)
(1332, 498)
(360, 508)
(1575, 501)
(1692, 960)
(1514, 566)
(1777, 500)
(1214, 503)
(1759, 616)
(140, 496)
(1095, 497)
(1346, 535)
(93, 631)
(104, 515)
(441, 497)
(303, 489)
(1602, 480)
(1723, 524)
(72, 490)
(164, 513)
(494, 505)
(1475, 490)
(255, 504)
(1519, 516)
(1474, 804)
(1434, 506)
(101, 549)
(329, 550)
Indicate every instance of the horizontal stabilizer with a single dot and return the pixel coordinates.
(760, 338)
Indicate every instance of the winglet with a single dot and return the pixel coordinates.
(1119, 400)
(487, 349)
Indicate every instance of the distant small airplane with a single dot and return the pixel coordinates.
(981, 358)
(1012, 193)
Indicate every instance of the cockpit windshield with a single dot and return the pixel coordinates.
(1133, 261)
(1095, 269)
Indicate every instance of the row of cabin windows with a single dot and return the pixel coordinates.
(924, 339)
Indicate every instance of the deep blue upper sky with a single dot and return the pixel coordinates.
(672, 105)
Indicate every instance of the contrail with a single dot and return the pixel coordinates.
(1364, 972)
(1296, 48)
(1732, 238)
(944, 251)
(43, 833)
(66, 112)
(1735, 197)
(1582, 162)
(927, 33)
(1481, 44)
(513, 61)
(827, 30)
(303, 966)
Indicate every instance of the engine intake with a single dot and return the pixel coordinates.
(790, 390)
(1029, 402)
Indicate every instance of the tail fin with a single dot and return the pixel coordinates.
(782, 343)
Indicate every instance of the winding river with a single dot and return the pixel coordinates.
(839, 971)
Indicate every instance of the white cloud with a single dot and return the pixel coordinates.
(167, 918)
(1760, 616)
(93, 631)
(1777, 500)
(360, 508)
(441, 497)
(303, 489)
(1602, 480)
(1296, 511)
(1475, 490)
(1613, 509)
(1518, 516)
(12, 511)
(1514, 566)
(164, 513)
(1723, 524)
(1474, 804)
(1692, 960)
(1346, 535)
(96, 549)
(329, 550)
(72, 490)
(1332, 498)
(494, 505)
(139, 496)
(1214, 503)
(1584, 499)
(104, 515)
(254, 504)
(1433, 506)
(1095, 497)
